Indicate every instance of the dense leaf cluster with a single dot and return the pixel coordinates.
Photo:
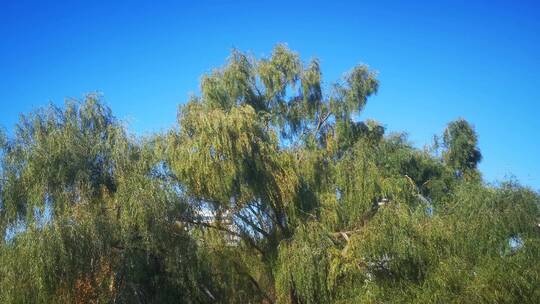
(271, 189)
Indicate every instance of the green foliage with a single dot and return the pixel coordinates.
(271, 189)
(304, 265)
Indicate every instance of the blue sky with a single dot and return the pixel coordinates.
(436, 61)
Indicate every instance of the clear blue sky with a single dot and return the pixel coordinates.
(437, 61)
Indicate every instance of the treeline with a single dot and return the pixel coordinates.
(269, 190)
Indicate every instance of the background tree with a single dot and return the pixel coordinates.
(461, 144)
(86, 216)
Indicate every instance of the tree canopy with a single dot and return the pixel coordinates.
(271, 189)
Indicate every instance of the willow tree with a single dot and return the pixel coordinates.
(85, 215)
(312, 205)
